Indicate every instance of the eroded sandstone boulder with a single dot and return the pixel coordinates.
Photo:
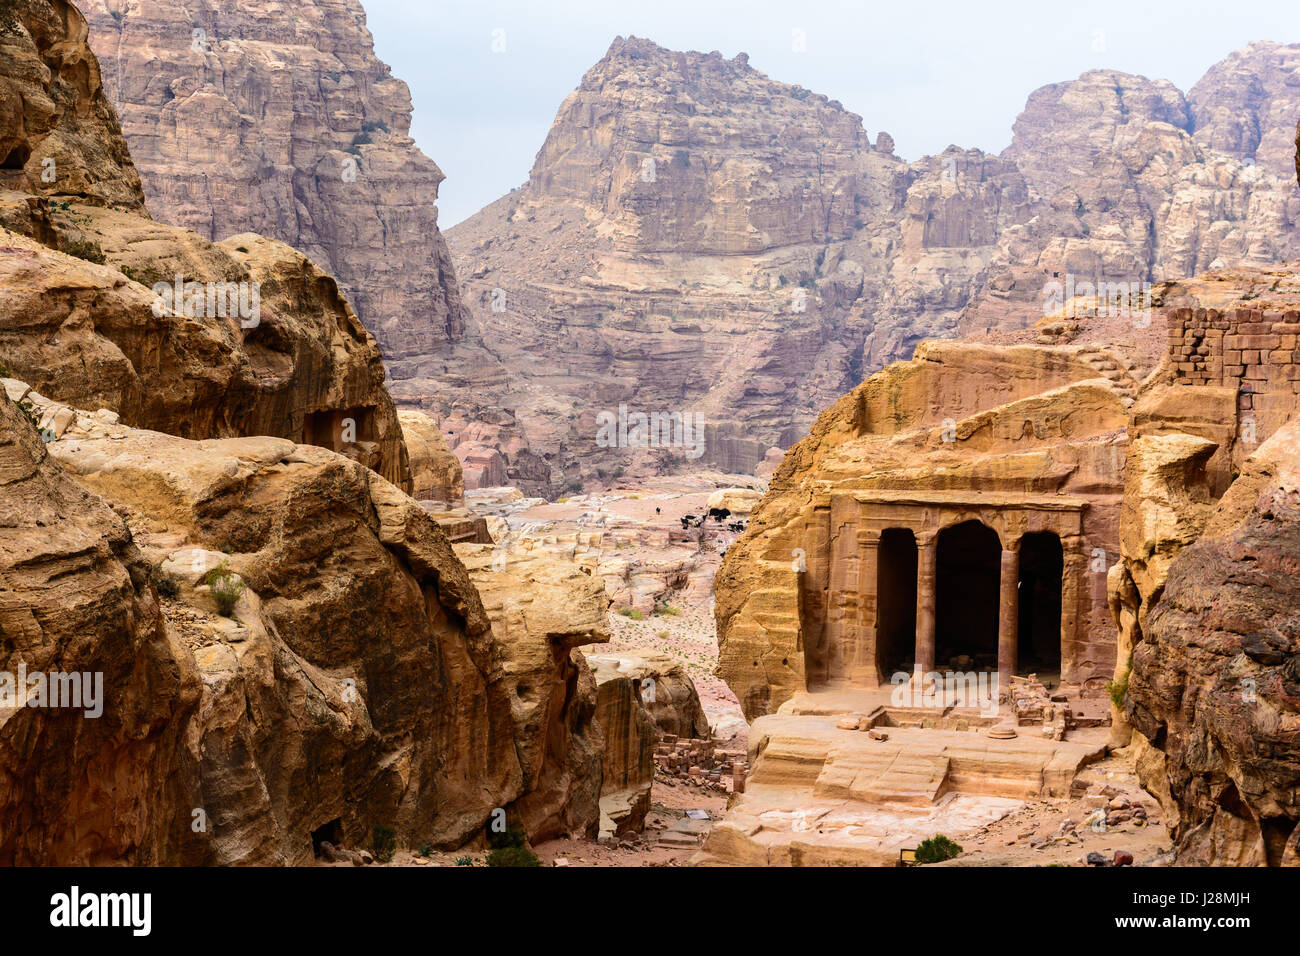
(436, 473)
(259, 341)
(77, 599)
(543, 609)
(1215, 685)
(667, 693)
(352, 681)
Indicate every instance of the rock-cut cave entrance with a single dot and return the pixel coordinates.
(895, 602)
(1042, 562)
(968, 576)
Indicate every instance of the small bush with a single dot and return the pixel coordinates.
(226, 588)
(631, 612)
(513, 856)
(85, 249)
(666, 610)
(464, 861)
(1118, 690)
(937, 849)
(29, 412)
(383, 840)
(511, 849)
(164, 583)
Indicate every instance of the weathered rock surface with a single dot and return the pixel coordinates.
(804, 275)
(542, 611)
(77, 598)
(58, 132)
(357, 679)
(1215, 687)
(436, 473)
(80, 315)
(667, 693)
(280, 120)
(627, 761)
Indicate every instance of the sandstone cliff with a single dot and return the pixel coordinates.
(1215, 688)
(353, 683)
(77, 598)
(696, 237)
(81, 317)
(543, 610)
(280, 120)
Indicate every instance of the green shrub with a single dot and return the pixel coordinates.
(383, 840)
(936, 850)
(164, 583)
(631, 612)
(666, 610)
(226, 588)
(1118, 690)
(29, 412)
(464, 861)
(511, 849)
(85, 249)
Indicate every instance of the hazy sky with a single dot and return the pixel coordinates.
(930, 72)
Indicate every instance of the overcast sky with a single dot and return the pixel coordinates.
(930, 72)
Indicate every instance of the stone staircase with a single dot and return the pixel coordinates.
(886, 775)
(1113, 367)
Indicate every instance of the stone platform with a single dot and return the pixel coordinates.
(821, 795)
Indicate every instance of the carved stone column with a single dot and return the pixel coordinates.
(926, 572)
(863, 671)
(1008, 620)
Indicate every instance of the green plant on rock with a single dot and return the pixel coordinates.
(937, 849)
(226, 587)
(86, 249)
(383, 840)
(511, 849)
(1118, 689)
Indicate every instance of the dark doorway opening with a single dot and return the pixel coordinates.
(968, 576)
(331, 832)
(1038, 648)
(895, 602)
(17, 158)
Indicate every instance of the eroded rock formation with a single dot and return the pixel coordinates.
(282, 121)
(77, 599)
(354, 683)
(1215, 686)
(260, 341)
(543, 610)
(804, 274)
(436, 473)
